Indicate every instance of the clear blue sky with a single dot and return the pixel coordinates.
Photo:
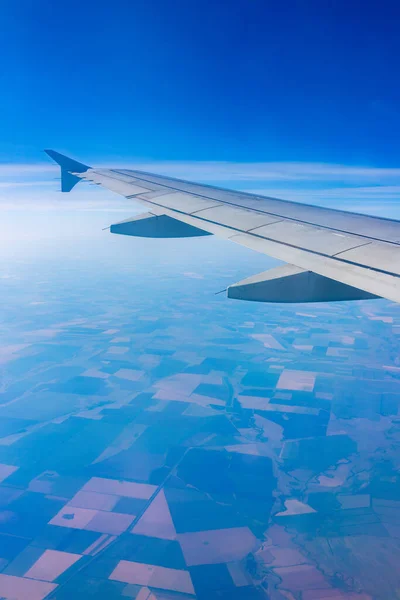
(237, 80)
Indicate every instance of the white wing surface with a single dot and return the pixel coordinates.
(331, 254)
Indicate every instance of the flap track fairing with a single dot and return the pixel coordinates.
(288, 283)
(156, 226)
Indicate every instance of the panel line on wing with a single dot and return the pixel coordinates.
(323, 255)
(288, 218)
(294, 246)
(206, 208)
(239, 232)
(249, 195)
(352, 248)
(282, 243)
(266, 225)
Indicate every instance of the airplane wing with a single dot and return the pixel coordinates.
(330, 254)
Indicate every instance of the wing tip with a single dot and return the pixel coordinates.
(65, 162)
(69, 166)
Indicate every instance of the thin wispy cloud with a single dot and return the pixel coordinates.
(216, 171)
(373, 192)
(20, 169)
(380, 201)
(362, 189)
(220, 171)
(25, 184)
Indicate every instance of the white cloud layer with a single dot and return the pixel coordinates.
(220, 171)
(362, 189)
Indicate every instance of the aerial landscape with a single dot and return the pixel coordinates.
(160, 437)
(148, 453)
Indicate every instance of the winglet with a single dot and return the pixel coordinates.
(68, 167)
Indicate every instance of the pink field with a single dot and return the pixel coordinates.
(93, 500)
(183, 383)
(51, 564)
(153, 576)
(18, 588)
(129, 374)
(300, 578)
(332, 594)
(217, 546)
(268, 340)
(92, 520)
(296, 380)
(69, 516)
(108, 522)
(6, 470)
(128, 489)
(157, 521)
(238, 573)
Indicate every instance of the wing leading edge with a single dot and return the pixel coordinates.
(331, 254)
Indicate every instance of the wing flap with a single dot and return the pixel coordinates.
(237, 218)
(308, 237)
(186, 203)
(376, 255)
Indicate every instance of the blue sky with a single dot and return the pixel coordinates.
(237, 80)
(293, 99)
